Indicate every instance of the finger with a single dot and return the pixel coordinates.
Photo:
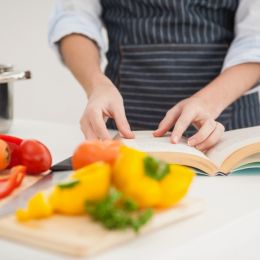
(182, 123)
(212, 139)
(203, 133)
(99, 126)
(90, 134)
(87, 130)
(122, 123)
(168, 121)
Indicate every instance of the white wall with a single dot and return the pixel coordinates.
(52, 94)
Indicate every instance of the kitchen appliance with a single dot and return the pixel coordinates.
(7, 76)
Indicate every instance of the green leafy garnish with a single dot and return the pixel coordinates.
(142, 219)
(130, 205)
(155, 168)
(68, 184)
(116, 212)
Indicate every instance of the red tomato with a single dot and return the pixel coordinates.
(35, 156)
(93, 151)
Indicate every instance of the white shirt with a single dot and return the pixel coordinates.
(83, 17)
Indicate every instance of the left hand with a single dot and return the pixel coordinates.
(193, 111)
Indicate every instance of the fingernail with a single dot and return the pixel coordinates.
(199, 147)
(155, 132)
(175, 139)
(131, 134)
(191, 142)
(128, 129)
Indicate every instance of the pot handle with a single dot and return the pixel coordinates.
(6, 77)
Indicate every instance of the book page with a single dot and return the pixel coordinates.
(145, 141)
(232, 141)
(249, 166)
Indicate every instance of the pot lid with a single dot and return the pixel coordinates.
(5, 68)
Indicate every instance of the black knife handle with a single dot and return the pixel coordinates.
(64, 165)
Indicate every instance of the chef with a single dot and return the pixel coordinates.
(189, 66)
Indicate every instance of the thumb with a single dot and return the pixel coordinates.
(122, 123)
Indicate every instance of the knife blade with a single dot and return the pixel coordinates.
(57, 173)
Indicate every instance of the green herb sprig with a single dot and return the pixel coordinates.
(117, 212)
(68, 184)
(155, 168)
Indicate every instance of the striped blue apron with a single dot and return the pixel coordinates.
(163, 51)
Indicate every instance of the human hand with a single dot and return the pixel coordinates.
(104, 101)
(193, 111)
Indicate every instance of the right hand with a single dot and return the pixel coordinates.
(104, 101)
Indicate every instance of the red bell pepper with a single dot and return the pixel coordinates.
(13, 143)
(14, 180)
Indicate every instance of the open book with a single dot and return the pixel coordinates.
(238, 149)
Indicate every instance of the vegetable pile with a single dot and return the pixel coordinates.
(19, 157)
(116, 186)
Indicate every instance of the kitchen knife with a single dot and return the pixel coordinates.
(64, 165)
(57, 173)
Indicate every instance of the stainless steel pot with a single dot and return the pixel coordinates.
(7, 77)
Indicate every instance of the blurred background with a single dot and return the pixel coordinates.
(52, 94)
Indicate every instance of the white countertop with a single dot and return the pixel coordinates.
(228, 229)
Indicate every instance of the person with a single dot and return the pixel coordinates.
(171, 64)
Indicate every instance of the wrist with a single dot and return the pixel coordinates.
(212, 103)
(97, 82)
(99, 85)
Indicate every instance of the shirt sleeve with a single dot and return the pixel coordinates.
(76, 16)
(245, 47)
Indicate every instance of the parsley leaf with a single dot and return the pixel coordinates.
(155, 168)
(117, 212)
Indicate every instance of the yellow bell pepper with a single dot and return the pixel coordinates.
(38, 207)
(89, 183)
(22, 215)
(150, 182)
(175, 185)
(128, 168)
(145, 191)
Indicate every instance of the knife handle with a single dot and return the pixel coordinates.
(64, 165)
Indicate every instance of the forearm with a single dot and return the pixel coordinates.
(229, 86)
(81, 56)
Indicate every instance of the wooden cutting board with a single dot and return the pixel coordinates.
(80, 236)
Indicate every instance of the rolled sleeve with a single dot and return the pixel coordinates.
(76, 16)
(245, 47)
